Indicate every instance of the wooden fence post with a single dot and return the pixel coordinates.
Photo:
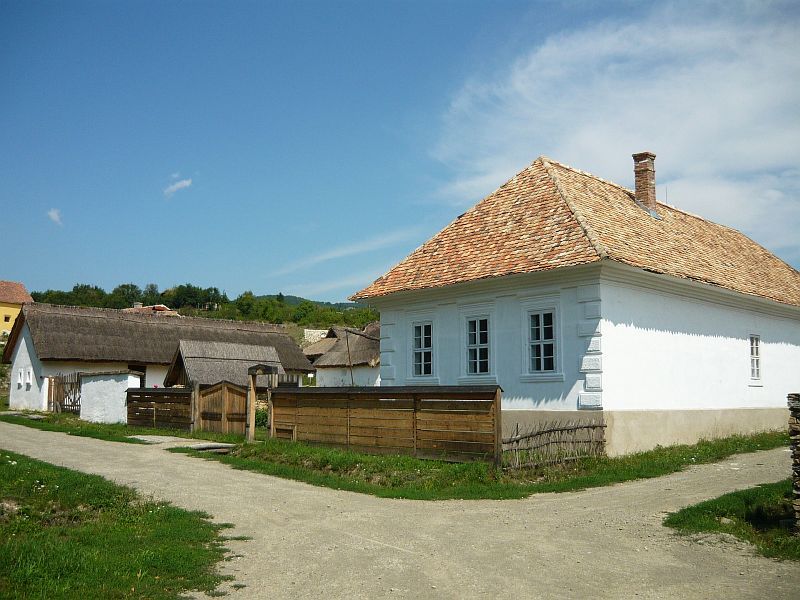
(414, 409)
(194, 410)
(498, 428)
(251, 410)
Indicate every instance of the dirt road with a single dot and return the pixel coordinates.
(311, 542)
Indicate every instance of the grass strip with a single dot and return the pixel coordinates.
(113, 432)
(758, 515)
(64, 534)
(407, 477)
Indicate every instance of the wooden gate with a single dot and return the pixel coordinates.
(223, 408)
(64, 393)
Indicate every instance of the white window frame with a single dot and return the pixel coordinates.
(29, 376)
(756, 355)
(20, 376)
(422, 349)
(467, 312)
(478, 346)
(539, 306)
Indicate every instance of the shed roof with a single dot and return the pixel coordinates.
(14, 292)
(208, 363)
(111, 335)
(551, 215)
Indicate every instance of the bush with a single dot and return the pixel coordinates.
(262, 417)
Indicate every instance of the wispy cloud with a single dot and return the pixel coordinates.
(345, 285)
(178, 185)
(175, 175)
(712, 89)
(54, 215)
(369, 245)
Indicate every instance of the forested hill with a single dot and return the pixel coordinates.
(210, 302)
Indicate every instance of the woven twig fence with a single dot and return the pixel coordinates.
(553, 442)
(794, 440)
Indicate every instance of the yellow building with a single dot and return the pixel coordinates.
(12, 296)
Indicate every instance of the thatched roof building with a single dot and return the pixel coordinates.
(351, 348)
(69, 333)
(208, 363)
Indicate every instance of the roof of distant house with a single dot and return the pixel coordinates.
(551, 215)
(159, 309)
(14, 292)
(112, 335)
(352, 347)
(208, 363)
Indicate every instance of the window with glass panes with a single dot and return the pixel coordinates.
(542, 341)
(423, 349)
(755, 357)
(477, 345)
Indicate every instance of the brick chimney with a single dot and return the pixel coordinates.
(645, 171)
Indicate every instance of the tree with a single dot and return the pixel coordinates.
(123, 296)
(151, 295)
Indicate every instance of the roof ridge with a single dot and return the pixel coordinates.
(592, 175)
(587, 230)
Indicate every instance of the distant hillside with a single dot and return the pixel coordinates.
(295, 300)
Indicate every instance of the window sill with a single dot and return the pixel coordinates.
(756, 384)
(427, 380)
(543, 378)
(477, 379)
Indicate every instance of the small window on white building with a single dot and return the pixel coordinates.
(755, 357)
(477, 345)
(19, 376)
(29, 376)
(542, 341)
(423, 349)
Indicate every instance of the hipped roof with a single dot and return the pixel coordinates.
(550, 216)
(353, 348)
(208, 363)
(14, 292)
(110, 335)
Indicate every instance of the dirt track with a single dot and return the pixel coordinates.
(313, 542)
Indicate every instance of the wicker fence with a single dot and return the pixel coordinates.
(794, 439)
(454, 423)
(553, 442)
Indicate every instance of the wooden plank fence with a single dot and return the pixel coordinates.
(459, 423)
(64, 393)
(169, 408)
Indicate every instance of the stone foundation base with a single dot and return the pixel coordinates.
(629, 431)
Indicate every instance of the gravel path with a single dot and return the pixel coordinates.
(311, 542)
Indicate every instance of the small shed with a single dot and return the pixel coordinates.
(103, 395)
(209, 363)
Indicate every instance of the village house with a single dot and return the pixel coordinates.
(50, 340)
(347, 357)
(581, 298)
(12, 296)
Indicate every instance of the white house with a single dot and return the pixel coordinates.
(49, 340)
(581, 298)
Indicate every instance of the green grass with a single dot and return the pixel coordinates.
(114, 432)
(65, 534)
(753, 515)
(408, 477)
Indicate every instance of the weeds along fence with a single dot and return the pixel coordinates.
(457, 423)
(553, 442)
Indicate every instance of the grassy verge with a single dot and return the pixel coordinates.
(116, 432)
(408, 477)
(753, 515)
(64, 534)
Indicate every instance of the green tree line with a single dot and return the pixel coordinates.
(209, 302)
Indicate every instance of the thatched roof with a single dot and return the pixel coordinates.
(208, 363)
(319, 348)
(110, 335)
(353, 348)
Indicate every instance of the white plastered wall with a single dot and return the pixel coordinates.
(363, 376)
(507, 302)
(103, 397)
(664, 351)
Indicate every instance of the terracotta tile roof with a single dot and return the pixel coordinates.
(14, 293)
(551, 215)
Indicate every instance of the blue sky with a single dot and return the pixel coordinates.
(306, 147)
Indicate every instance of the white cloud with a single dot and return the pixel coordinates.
(347, 285)
(178, 185)
(175, 175)
(369, 245)
(54, 215)
(713, 91)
